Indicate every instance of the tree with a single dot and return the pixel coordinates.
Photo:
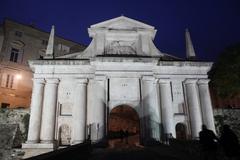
(225, 73)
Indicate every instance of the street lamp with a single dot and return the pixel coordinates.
(18, 76)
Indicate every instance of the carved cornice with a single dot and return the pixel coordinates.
(185, 63)
(59, 62)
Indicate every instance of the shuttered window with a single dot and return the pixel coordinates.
(8, 81)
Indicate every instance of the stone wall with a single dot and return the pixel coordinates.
(228, 116)
(16, 116)
(13, 132)
(10, 139)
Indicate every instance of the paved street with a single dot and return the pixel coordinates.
(147, 153)
(121, 152)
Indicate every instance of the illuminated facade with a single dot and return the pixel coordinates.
(18, 44)
(75, 94)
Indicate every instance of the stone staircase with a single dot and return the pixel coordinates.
(130, 142)
(74, 152)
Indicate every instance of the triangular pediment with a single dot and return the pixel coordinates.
(122, 22)
(121, 36)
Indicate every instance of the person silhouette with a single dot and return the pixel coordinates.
(168, 138)
(121, 135)
(126, 136)
(229, 142)
(208, 141)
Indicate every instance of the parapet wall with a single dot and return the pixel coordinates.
(228, 116)
(16, 116)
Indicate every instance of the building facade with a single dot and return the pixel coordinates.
(74, 95)
(18, 44)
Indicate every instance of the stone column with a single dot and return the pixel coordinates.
(193, 106)
(150, 109)
(166, 106)
(79, 111)
(49, 111)
(36, 111)
(146, 108)
(90, 104)
(157, 111)
(98, 109)
(206, 105)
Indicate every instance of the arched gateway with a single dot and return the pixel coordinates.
(120, 66)
(181, 133)
(123, 126)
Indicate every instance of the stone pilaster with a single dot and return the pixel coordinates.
(36, 111)
(150, 109)
(192, 98)
(90, 105)
(79, 111)
(206, 105)
(166, 106)
(49, 111)
(98, 109)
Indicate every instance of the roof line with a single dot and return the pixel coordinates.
(38, 29)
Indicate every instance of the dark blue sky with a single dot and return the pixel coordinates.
(213, 24)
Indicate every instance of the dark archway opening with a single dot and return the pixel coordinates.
(123, 127)
(181, 131)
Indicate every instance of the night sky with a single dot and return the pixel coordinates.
(213, 24)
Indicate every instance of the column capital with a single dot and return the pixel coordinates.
(148, 78)
(81, 81)
(155, 81)
(190, 81)
(203, 81)
(39, 80)
(52, 80)
(164, 80)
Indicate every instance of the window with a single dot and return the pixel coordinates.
(18, 34)
(14, 55)
(5, 105)
(44, 42)
(63, 48)
(8, 81)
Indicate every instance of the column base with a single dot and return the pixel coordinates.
(34, 149)
(78, 141)
(32, 142)
(46, 141)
